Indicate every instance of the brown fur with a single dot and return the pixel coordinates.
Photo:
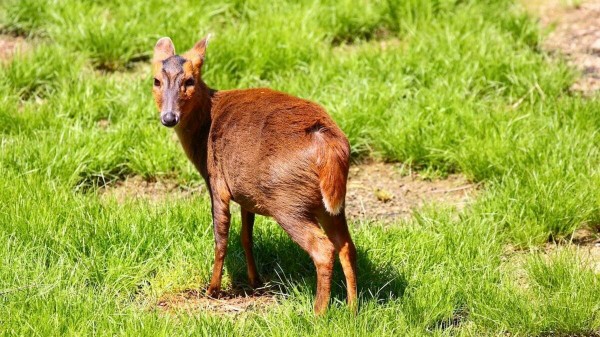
(272, 153)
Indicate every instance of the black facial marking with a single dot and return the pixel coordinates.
(172, 68)
(173, 64)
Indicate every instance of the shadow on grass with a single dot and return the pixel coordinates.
(284, 266)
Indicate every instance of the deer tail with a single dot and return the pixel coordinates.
(333, 162)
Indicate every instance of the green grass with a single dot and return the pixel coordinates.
(444, 86)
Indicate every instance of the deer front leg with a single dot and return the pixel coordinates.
(221, 222)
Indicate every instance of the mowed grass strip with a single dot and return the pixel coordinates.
(444, 86)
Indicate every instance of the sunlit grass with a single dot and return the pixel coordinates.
(441, 85)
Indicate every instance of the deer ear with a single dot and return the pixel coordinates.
(198, 52)
(163, 50)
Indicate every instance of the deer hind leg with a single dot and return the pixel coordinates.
(307, 233)
(336, 228)
(246, 238)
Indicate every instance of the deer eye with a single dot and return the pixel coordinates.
(189, 82)
(156, 82)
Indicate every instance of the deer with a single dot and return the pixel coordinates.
(274, 154)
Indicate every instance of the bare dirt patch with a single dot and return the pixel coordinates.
(103, 124)
(376, 191)
(229, 303)
(383, 192)
(585, 242)
(589, 254)
(575, 33)
(584, 245)
(10, 45)
(383, 45)
(137, 187)
(586, 236)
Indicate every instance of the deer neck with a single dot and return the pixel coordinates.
(193, 129)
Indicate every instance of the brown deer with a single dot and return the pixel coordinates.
(273, 154)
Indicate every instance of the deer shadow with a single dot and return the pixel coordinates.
(284, 266)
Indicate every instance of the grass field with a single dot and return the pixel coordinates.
(445, 86)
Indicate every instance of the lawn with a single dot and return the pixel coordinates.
(442, 86)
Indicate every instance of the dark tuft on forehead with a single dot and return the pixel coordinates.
(173, 64)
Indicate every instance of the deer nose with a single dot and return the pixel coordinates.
(169, 119)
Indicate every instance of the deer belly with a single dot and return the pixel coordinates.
(251, 204)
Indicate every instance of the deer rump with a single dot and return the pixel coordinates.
(278, 153)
